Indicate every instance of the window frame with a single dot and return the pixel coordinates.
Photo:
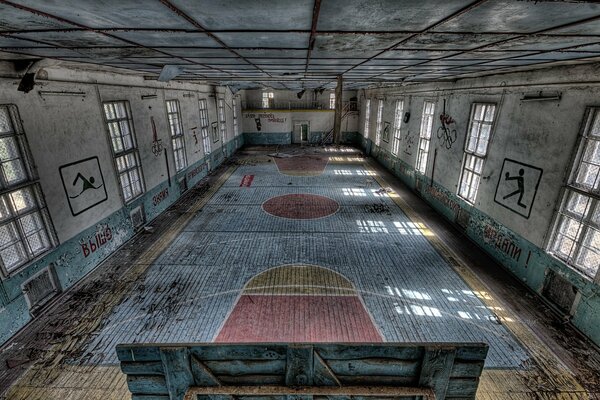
(398, 113)
(222, 120)
(379, 122)
(123, 154)
(267, 99)
(367, 118)
(180, 165)
(39, 208)
(570, 188)
(204, 126)
(468, 168)
(235, 118)
(422, 169)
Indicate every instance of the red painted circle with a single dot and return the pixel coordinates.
(301, 206)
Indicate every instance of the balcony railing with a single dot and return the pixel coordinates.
(296, 105)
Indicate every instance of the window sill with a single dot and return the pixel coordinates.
(5, 275)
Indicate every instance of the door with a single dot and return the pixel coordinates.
(301, 132)
(304, 133)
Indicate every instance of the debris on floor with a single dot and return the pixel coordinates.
(377, 208)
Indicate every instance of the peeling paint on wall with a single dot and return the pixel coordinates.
(79, 255)
(524, 259)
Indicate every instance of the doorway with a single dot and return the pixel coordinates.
(301, 132)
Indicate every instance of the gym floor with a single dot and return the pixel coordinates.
(298, 244)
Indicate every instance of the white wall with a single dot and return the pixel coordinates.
(542, 134)
(65, 128)
(284, 98)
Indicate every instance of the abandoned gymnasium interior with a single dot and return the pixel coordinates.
(299, 199)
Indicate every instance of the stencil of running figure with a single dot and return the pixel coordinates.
(520, 184)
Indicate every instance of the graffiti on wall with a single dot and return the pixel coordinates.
(505, 244)
(443, 198)
(197, 170)
(517, 186)
(446, 133)
(270, 119)
(102, 236)
(160, 196)
(197, 142)
(386, 131)
(84, 184)
(157, 146)
(409, 140)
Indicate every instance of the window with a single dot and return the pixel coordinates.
(204, 126)
(379, 122)
(177, 141)
(267, 99)
(576, 236)
(367, 117)
(124, 146)
(25, 228)
(397, 125)
(235, 119)
(332, 101)
(222, 124)
(425, 135)
(476, 146)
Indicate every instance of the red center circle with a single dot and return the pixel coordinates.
(300, 206)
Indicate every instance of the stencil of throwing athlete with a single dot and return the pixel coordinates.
(520, 184)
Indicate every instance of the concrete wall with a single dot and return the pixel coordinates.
(542, 134)
(65, 127)
(277, 125)
(289, 98)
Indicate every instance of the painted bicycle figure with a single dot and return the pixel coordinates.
(445, 133)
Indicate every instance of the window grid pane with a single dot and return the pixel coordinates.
(235, 119)
(24, 224)
(222, 123)
(204, 126)
(129, 175)
(120, 127)
(23, 230)
(179, 153)
(267, 99)
(5, 121)
(13, 165)
(367, 117)
(397, 126)
(480, 128)
(588, 174)
(177, 140)
(425, 135)
(379, 122)
(576, 237)
(476, 147)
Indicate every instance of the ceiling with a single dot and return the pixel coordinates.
(305, 43)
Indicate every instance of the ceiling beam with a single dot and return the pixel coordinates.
(462, 11)
(541, 33)
(199, 26)
(86, 28)
(302, 31)
(313, 30)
